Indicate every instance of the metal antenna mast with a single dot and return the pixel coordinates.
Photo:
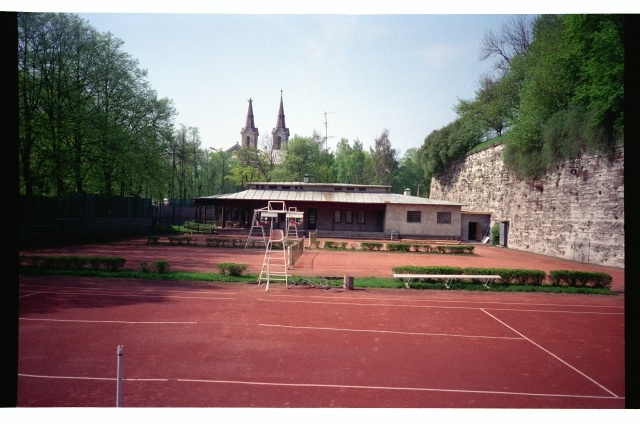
(326, 136)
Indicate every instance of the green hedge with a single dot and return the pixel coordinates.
(509, 276)
(565, 277)
(335, 245)
(456, 249)
(532, 277)
(371, 245)
(233, 269)
(434, 269)
(111, 263)
(182, 240)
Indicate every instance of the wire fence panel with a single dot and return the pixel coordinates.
(294, 251)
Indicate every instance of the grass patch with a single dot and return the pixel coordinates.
(360, 282)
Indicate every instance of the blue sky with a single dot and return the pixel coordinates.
(370, 70)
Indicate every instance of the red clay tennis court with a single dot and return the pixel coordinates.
(235, 345)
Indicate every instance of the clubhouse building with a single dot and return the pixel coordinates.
(337, 210)
(346, 210)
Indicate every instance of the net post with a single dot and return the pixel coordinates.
(119, 378)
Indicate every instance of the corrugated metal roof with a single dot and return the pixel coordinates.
(329, 197)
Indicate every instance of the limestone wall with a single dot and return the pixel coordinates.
(575, 212)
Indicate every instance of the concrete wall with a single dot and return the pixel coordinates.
(575, 212)
(396, 221)
(482, 223)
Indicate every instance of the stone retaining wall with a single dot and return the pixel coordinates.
(575, 212)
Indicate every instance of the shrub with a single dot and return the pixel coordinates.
(335, 245)
(113, 263)
(435, 269)
(371, 245)
(35, 260)
(75, 262)
(495, 234)
(398, 247)
(233, 269)
(161, 266)
(459, 249)
(144, 266)
(214, 241)
(426, 248)
(512, 276)
(563, 277)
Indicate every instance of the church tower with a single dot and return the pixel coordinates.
(280, 132)
(249, 134)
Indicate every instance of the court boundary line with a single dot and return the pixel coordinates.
(407, 333)
(107, 321)
(471, 301)
(27, 287)
(135, 295)
(329, 386)
(552, 354)
(437, 307)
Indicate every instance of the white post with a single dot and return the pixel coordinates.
(119, 378)
(268, 273)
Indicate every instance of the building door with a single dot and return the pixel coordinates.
(504, 233)
(473, 229)
(312, 216)
(379, 220)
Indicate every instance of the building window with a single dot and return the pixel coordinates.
(278, 143)
(348, 217)
(360, 217)
(444, 217)
(336, 216)
(414, 216)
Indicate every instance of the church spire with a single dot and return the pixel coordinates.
(250, 132)
(250, 123)
(280, 132)
(280, 122)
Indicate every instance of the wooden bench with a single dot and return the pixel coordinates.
(484, 279)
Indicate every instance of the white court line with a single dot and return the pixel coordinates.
(62, 377)
(554, 312)
(469, 301)
(137, 295)
(125, 289)
(108, 322)
(555, 356)
(412, 389)
(473, 308)
(390, 332)
(331, 386)
(27, 295)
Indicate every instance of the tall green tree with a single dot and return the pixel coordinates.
(490, 109)
(384, 159)
(410, 174)
(353, 164)
(305, 156)
(89, 121)
(448, 144)
(250, 165)
(566, 105)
